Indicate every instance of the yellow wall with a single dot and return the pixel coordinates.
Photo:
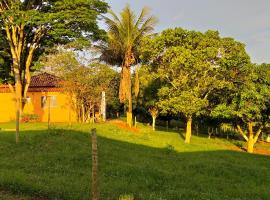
(7, 107)
(62, 112)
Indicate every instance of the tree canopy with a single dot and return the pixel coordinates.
(246, 104)
(28, 26)
(83, 84)
(190, 65)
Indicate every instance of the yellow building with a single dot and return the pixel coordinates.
(45, 99)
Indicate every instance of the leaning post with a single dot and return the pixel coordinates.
(95, 195)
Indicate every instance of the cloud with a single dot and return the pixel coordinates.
(245, 20)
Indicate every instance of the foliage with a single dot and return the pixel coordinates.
(28, 26)
(247, 103)
(124, 35)
(55, 21)
(188, 65)
(84, 84)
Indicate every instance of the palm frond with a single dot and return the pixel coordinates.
(124, 33)
(145, 11)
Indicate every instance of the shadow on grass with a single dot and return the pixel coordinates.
(57, 165)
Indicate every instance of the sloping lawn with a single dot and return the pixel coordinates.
(143, 164)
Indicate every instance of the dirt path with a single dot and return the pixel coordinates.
(123, 125)
(262, 152)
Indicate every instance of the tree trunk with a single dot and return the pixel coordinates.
(250, 145)
(125, 84)
(94, 115)
(188, 130)
(18, 94)
(154, 123)
(83, 113)
(129, 119)
(250, 142)
(250, 138)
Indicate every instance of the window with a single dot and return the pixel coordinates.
(48, 101)
(28, 99)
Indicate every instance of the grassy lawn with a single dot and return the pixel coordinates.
(144, 164)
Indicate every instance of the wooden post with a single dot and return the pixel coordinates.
(95, 195)
(103, 106)
(17, 125)
(49, 112)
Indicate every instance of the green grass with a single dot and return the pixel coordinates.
(146, 165)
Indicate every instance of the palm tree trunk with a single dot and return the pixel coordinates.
(125, 92)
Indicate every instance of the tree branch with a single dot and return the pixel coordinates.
(11, 88)
(242, 132)
(257, 134)
(33, 46)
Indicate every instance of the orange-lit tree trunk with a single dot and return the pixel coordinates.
(22, 56)
(251, 138)
(125, 92)
(154, 113)
(188, 130)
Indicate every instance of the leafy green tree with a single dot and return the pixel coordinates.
(123, 40)
(188, 63)
(247, 103)
(28, 26)
(148, 98)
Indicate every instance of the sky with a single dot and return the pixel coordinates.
(247, 21)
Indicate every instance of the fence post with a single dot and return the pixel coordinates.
(95, 194)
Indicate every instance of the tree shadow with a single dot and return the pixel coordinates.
(57, 165)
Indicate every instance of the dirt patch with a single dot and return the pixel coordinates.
(234, 148)
(259, 151)
(125, 126)
(262, 151)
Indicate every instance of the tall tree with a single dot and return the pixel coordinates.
(124, 36)
(246, 104)
(148, 98)
(30, 25)
(188, 63)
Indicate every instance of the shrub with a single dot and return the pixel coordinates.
(29, 118)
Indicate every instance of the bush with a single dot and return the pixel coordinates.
(29, 118)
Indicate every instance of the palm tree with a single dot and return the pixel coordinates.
(124, 36)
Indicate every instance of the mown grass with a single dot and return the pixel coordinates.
(145, 165)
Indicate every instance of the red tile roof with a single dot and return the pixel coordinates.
(39, 83)
(44, 80)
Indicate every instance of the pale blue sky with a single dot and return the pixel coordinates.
(246, 20)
